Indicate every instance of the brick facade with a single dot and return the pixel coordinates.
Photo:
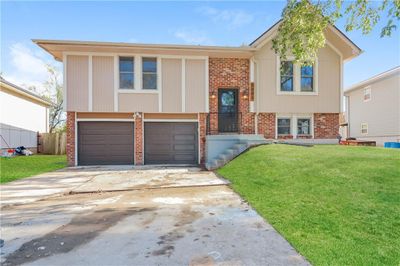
(230, 73)
(266, 125)
(326, 125)
(202, 136)
(70, 149)
(138, 133)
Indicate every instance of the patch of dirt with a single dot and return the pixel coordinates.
(80, 230)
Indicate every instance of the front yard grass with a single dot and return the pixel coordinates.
(25, 166)
(337, 205)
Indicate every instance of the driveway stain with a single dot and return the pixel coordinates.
(79, 231)
(185, 218)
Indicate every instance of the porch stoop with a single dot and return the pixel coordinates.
(220, 149)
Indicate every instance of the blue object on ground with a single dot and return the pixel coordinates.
(395, 145)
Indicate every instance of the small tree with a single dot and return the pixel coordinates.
(54, 93)
(304, 22)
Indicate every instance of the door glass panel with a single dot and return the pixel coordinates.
(228, 98)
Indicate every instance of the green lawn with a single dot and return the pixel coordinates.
(337, 205)
(24, 166)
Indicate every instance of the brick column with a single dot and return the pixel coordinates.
(202, 136)
(266, 125)
(326, 125)
(70, 149)
(139, 140)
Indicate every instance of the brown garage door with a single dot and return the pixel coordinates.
(105, 143)
(170, 143)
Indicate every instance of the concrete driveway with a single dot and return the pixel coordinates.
(174, 222)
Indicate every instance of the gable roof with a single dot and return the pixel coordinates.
(373, 79)
(23, 93)
(333, 35)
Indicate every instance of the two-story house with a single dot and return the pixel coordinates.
(159, 104)
(373, 108)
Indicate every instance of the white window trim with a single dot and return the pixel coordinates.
(368, 88)
(138, 75)
(296, 79)
(361, 128)
(276, 124)
(141, 73)
(293, 123)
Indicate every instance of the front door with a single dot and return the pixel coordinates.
(228, 110)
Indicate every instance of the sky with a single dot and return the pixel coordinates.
(205, 23)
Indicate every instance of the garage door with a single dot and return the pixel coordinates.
(105, 143)
(170, 143)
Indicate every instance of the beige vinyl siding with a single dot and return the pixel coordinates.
(138, 102)
(171, 85)
(327, 100)
(195, 86)
(77, 83)
(381, 113)
(103, 83)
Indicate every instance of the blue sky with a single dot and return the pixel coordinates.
(209, 23)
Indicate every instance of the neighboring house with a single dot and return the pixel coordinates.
(373, 108)
(164, 104)
(23, 115)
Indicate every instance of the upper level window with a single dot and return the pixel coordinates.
(307, 78)
(284, 126)
(287, 76)
(367, 94)
(303, 126)
(149, 70)
(364, 128)
(126, 73)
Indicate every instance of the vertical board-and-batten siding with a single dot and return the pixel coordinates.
(78, 83)
(93, 80)
(195, 84)
(329, 83)
(103, 83)
(171, 85)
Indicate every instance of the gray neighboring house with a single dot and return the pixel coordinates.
(22, 115)
(373, 108)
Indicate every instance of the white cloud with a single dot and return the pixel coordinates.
(28, 66)
(193, 37)
(232, 18)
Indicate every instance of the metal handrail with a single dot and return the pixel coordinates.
(220, 128)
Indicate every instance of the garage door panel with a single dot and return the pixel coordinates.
(171, 143)
(105, 143)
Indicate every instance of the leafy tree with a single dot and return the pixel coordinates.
(301, 32)
(54, 92)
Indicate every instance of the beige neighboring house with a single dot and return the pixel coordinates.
(130, 103)
(373, 108)
(23, 115)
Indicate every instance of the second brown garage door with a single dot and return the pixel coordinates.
(105, 143)
(170, 143)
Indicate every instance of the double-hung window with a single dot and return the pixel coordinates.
(364, 128)
(367, 94)
(307, 78)
(287, 78)
(284, 126)
(303, 126)
(126, 73)
(149, 73)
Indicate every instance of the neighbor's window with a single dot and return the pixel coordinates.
(149, 68)
(126, 73)
(307, 78)
(287, 76)
(364, 128)
(367, 94)
(303, 126)
(283, 126)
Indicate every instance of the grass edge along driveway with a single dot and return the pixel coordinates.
(25, 166)
(337, 205)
